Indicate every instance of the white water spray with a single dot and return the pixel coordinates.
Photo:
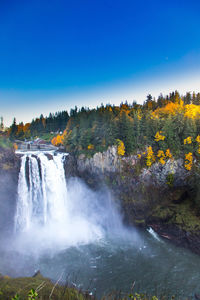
(59, 214)
(42, 191)
(154, 234)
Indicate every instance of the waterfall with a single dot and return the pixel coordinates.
(57, 213)
(42, 191)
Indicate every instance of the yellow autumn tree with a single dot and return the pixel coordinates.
(161, 156)
(53, 141)
(90, 147)
(159, 136)
(120, 148)
(57, 140)
(139, 115)
(15, 146)
(192, 111)
(198, 138)
(168, 154)
(169, 109)
(150, 158)
(188, 161)
(198, 141)
(188, 140)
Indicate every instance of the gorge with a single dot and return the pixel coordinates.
(62, 227)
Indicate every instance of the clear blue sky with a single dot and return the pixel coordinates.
(55, 54)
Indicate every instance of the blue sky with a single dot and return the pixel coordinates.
(55, 54)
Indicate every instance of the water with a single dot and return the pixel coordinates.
(41, 191)
(66, 230)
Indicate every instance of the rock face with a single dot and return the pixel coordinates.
(158, 174)
(97, 169)
(183, 238)
(9, 170)
(159, 196)
(100, 163)
(108, 162)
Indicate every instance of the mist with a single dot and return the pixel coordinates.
(66, 230)
(53, 215)
(90, 217)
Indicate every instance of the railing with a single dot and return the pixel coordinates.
(28, 146)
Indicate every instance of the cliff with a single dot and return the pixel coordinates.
(9, 170)
(160, 196)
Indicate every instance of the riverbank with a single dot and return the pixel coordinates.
(141, 204)
(38, 287)
(42, 288)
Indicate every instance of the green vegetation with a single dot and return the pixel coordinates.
(183, 215)
(170, 179)
(37, 288)
(47, 136)
(156, 131)
(5, 142)
(40, 288)
(43, 127)
(162, 124)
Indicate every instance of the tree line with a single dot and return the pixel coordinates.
(87, 130)
(54, 123)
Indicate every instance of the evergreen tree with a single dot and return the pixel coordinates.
(187, 99)
(13, 130)
(1, 124)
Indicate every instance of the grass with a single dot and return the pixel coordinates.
(47, 137)
(10, 287)
(41, 288)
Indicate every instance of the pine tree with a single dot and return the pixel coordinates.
(13, 130)
(187, 99)
(126, 133)
(1, 124)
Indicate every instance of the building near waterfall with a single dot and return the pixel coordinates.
(37, 144)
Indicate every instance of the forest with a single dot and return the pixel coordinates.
(158, 129)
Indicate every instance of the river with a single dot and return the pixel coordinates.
(67, 231)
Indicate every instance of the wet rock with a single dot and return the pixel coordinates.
(49, 156)
(8, 188)
(37, 273)
(158, 173)
(178, 236)
(151, 197)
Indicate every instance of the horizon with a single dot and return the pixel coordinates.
(55, 56)
(98, 106)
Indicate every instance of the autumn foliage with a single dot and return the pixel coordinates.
(188, 161)
(90, 147)
(58, 140)
(161, 156)
(150, 158)
(159, 136)
(170, 109)
(168, 154)
(157, 130)
(120, 148)
(15, 146)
